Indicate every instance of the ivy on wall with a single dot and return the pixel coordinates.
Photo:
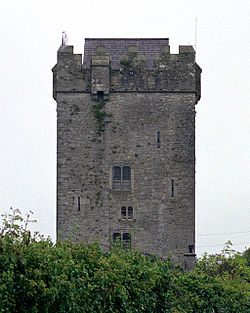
(100, 115)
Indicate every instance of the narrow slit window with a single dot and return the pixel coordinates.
(172, 188)
(79, 203)
(158, 139)
(100, 95)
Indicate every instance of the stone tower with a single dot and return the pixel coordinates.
(126, 145)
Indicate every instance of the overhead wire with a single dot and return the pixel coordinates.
(219, 234)
(217, 245)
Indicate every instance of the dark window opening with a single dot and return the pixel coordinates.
(79, 203)
(117, 173)
(116, 237)
(123, 212)
(126, 241)
(126, 173)
(158, 139)
(116, 177)
(121, 177)
(100, 95)
(130, 212)
(172, 188)
(127, 212)
(191, 248)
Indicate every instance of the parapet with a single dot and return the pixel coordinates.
(67, 73)
(125, 65)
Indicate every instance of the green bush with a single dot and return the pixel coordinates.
(39, 276)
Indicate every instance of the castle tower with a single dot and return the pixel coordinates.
(126, 145)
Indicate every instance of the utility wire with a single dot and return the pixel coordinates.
(218, 234)
(234, 244)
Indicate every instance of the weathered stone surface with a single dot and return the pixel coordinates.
(149, 125)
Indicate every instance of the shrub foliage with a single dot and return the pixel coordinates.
(39, 276)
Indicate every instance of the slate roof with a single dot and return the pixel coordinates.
(117, 46)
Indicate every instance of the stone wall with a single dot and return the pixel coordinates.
(139, 116)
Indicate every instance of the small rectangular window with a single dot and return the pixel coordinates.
(130, 212)
(158, 139)
(126, 178)
(123, 212)
(126, 172)
(100, 95)
(172, 188)
(116, 177)
(116, 237)
(126, 241)
(79, 203)
(190, 248)
(117, 173)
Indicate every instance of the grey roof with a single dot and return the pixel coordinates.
(117, 46)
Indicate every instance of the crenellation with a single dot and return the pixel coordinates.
(168, 73)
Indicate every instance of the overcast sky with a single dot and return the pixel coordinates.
(30, 34)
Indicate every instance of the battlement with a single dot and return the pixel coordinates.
(125, 64)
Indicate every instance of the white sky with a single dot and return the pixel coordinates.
(30, 34)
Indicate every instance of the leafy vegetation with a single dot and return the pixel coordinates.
(39, 276)
(100, 115)
(126, 62)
